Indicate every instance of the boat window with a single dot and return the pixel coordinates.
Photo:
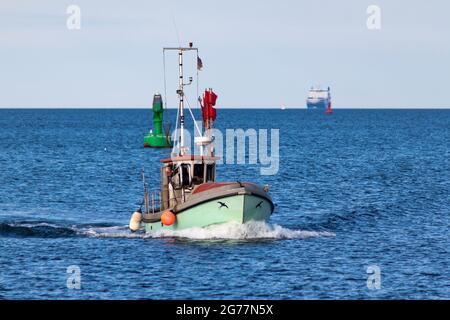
(176, 181)
(186, 177)
(198, 173)
(210, 172)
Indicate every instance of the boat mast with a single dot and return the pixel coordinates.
(181, 97)
(180, 90)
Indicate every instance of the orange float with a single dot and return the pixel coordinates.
(168, 218)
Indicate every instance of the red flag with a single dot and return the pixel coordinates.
(212, 102)
(209, 101)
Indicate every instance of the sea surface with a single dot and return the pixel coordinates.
(356, 192)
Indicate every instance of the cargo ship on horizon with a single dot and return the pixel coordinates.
(318, 98)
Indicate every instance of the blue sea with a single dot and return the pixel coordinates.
(357, 191)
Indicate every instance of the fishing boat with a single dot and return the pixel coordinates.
(189, 194)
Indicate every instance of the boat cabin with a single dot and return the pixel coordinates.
(180, 175)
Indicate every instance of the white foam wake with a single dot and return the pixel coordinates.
(110, 232)
(236, 231)
(228, 231)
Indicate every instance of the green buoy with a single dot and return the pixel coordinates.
(158, 138)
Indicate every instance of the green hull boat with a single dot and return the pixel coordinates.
(220, 203)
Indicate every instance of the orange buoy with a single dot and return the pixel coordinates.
(168, 218)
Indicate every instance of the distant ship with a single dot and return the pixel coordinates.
(318, 98)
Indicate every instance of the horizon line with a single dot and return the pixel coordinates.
(219, 108)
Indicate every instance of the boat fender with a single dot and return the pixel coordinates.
(168, 218)
(135, 220)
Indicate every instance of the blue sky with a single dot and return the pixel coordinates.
(255, 53)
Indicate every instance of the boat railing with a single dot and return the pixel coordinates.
(153, 201)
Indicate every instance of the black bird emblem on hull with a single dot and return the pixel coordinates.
(222, 204)
(259, 204)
